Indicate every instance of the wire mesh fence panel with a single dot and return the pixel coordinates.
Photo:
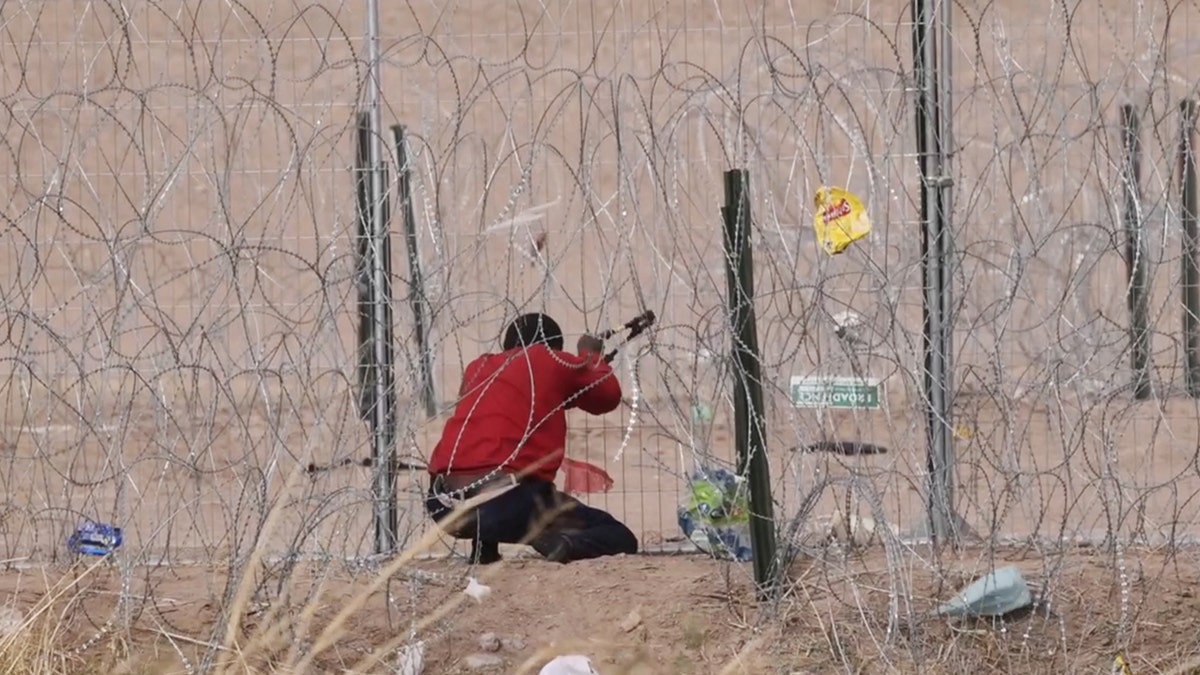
(1054, 443)
(177, 286)
(181, 285)
(180, 297)
(571, 161)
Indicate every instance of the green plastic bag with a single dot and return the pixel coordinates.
(715, 515)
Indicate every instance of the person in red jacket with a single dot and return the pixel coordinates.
(509, 428)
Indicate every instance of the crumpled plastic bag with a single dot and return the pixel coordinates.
(569, 664)
(715, 515)
(410, 659)
(996, 594)
(840, 219)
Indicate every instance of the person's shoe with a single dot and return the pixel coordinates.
(552, 546)
(485, 553)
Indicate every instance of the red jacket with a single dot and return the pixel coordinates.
(521, 393)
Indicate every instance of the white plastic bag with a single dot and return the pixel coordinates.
(410, 659)
(569, 664)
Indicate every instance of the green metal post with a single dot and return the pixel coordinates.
(1191, 249)
(749, 423)
(1135, 251)
(364, 264)
(417, 298)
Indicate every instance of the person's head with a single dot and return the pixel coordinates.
(530, 329)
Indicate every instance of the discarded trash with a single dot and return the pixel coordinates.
(716, 514)
(996, 594)
(95, 539)
(848, 326)
(846, 319)
(847, 448)
(856, 530)
(840, 219)
(410, 659)
(570, 664)
(11, 621)
(1121, 666)
(477, 590)
(489, 642)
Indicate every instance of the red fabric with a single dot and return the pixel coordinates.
(584, 477)
(508, 395)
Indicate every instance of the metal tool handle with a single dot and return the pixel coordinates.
(636, 326)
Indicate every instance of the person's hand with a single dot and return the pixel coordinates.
(589, 344)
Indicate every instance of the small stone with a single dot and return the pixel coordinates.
(514, 644)
(489, 642)
(11, 621)
(482, 661)
(631, 621)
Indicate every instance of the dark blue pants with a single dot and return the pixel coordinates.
(557, 526)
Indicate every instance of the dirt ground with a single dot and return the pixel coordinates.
(173, 364)
(863, 612)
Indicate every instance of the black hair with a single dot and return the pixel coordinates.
(533, 328)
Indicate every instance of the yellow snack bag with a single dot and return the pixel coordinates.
(840, 220)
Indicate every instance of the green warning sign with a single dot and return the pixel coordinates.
(836, 392)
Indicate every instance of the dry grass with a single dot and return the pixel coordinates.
(274, 646)
(855, 612)
(35, 645)
(829, 620)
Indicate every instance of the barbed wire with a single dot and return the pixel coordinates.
(179, 275)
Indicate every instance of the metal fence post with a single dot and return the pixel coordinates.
(383, 446)
(932, 136)
(1191, 247)
(416, 290)
(749, 423)
(1135, 251)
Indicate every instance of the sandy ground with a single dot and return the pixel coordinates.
(864, 612)
(177, 270)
